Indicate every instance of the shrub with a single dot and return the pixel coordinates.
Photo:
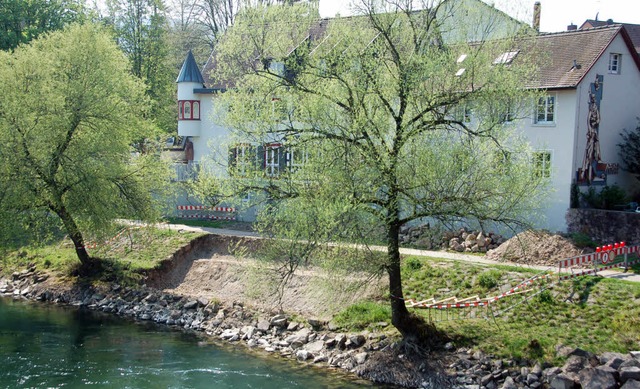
(582, 240)
(489, 279)
(608, 197)
(413, 263)
(360, 315)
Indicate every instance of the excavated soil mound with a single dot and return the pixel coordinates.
(535, 248)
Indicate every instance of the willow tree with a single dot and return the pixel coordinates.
(396, 116)
(69, 114)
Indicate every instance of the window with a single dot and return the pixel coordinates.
(614, 63)
(272, 159)
(542, 164)
(505, 58)
(545, 110)
(276, 67)
(189, 110)
(242, 159)
(196, 110)
(462, 113)
(507, 115)
(296, 158)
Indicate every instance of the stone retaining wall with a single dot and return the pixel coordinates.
(605, 226)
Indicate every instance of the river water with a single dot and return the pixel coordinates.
(45, 346)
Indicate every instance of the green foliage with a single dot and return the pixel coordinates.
(592, 313)
(68, 119)
(629, 151)
(362, 315)
(123, 259)
(609, 197)
(21, 21)
(582, 240)
(545, 297)
(371, 106)
(141, 29)
(574, 200)
(413, 263)
(489, 279)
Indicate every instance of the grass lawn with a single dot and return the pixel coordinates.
(594, 313)
(124, 254)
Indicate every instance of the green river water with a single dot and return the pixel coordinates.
(44, 346)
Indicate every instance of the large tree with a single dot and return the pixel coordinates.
(24, 20)
(389, 118)
(69, 115)
(141, 29)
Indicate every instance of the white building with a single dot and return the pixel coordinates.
(592, 81)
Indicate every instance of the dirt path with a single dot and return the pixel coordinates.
(477, 259)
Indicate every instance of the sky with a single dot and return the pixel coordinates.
(555, 15)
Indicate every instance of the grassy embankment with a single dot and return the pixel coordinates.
(123, 257)
(593, 313)
(589, 312)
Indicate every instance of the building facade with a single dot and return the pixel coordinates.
(590, 78)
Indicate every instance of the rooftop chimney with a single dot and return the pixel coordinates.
(572, 27)
(536, 16)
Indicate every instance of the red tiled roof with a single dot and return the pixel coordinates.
(562, 49)
(632, 29)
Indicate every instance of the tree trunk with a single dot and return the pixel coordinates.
(74, 234)
(400, 317)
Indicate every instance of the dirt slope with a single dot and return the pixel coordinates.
(212, 272)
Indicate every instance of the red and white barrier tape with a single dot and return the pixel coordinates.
(595, 271)
(211, 217)
(487, 301)
(204, 208)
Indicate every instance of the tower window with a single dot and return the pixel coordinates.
(189, 110)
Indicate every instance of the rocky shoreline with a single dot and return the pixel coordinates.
(368, 355)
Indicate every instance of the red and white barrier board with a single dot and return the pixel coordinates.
(205, 208)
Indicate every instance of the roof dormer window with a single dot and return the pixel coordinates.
(505, 58)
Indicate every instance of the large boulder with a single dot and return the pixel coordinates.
(592, 378)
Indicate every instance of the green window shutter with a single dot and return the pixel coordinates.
(260, 162)
(233, 157)
(282, 159)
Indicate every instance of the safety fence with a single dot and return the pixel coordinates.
(206, 212)
(474, 307)
(604, 258)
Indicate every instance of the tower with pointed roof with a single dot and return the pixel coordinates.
(189, 81)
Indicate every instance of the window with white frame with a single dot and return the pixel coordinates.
(241, 158)
(545, 110)
(272, 159)
(542, 164)
(296, 158)
(505, 58)
(195, 106)
(614, 63)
